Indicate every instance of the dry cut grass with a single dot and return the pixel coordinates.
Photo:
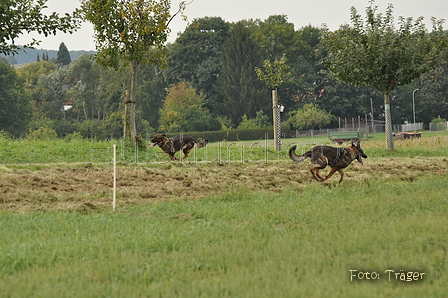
(81, 187)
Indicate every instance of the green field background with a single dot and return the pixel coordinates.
(296, 243)
(75, 150)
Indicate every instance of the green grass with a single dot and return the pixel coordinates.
(237, 244)
(81, 150)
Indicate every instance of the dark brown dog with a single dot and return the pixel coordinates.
(177, 143)
(336, 158)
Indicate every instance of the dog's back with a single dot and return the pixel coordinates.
(186, 141)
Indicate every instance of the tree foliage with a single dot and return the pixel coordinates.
(18, 17)
(63, 57)
(15, 113)
(31, 73)
(274, 73)
(237, 84)
(260, 121)
(374, 53)
(126, 30)
(195, 56)
(217, 59)
(310, 116)
(183, 110)
(129, 31)
(278, 38)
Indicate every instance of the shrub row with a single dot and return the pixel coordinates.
(236, 134)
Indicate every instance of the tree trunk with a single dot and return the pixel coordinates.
(132, 99)
(389, 133)
(126, 116)
(274, 114)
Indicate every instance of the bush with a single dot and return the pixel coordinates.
(438, 124)
(43, 133)
(235, 134)
(100, 130)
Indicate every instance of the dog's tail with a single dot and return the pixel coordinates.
(200, 145)
(298, 158)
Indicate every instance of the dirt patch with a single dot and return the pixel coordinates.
(87, 187)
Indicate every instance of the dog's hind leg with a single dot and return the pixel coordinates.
(333, 170)
(315, 172)
(186, 151)
(342, 175)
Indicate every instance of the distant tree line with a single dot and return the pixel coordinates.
(207, 82)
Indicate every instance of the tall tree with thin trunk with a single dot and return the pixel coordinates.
(374, 53)
(273, 76)
(130, 31)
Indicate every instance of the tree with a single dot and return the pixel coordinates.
(53, 93)
(183, 110)
(278, 37)
(31, 73)
(378, 55)
(18, 17)
(273, 76)
(63, 57)
(151, 93)
(15, 113)
(130, 31)
(310, 116)
(432, 101)
(195, 56)
(84, 77)
(237, 84)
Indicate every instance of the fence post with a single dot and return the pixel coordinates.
(114, 195)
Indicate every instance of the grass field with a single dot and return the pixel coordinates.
(212, 229)
(258, 151)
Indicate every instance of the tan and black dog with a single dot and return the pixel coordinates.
(336, 158)
(177, 143)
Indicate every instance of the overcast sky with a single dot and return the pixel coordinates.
(300, 12)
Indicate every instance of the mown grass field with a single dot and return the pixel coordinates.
(258, 151)
(212, 229)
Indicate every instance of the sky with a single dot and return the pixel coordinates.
(299, 12)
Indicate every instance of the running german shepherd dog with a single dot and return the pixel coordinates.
(336, 158)
(177, 143)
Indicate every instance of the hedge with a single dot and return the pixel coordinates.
(236, 134)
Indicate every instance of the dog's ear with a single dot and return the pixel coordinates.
(163, 135)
